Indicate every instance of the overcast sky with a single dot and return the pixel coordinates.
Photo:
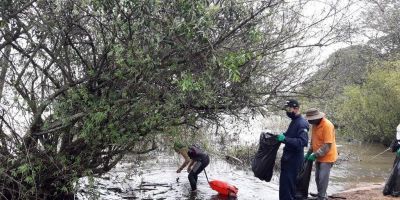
(350, 10)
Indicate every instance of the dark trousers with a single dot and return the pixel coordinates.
(197, 168)
(290, 166)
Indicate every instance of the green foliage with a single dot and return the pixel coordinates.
(103, 78)
(255, 35)
(2, 23)
(347, 66)
(28, 173)
(233, 61)
(371, 111)
(189, 84)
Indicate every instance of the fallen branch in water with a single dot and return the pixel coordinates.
(233, 159)
(162, 192)
(144, 189)
(155, 185)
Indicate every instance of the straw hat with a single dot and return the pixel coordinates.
(313, 113)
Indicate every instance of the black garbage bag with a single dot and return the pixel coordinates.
(394, 145)
(392, 185)
(264, 160)
(303, 180)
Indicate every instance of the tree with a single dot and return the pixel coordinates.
(346, 66)
(370, 112)
(89, 81)
(381, 25)
(351, 65)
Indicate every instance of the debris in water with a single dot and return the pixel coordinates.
(233, 159)
(115, 189)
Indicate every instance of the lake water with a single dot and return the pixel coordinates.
(155, 177)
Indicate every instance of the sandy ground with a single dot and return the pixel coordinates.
(372, 192)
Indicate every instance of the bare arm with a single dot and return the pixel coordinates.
(186, 162)
(192, 162)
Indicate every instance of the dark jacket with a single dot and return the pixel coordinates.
(296, 135)
(196, 154)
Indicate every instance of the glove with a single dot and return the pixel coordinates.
(280, 137)
(307, 155)
(398, 152)
(312, 157)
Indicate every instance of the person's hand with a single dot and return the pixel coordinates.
(398, 152)
(280, 137)
(179, 170)
(189, 169)
(307, 154)
(312, 157)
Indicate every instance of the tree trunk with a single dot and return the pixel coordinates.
(4, 68)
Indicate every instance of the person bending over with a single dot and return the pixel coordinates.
(195, 158)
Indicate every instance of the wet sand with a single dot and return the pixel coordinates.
(371, 192)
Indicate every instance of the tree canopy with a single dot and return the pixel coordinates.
(370, 112)
(85, 82)
(346, 66)
(358, 85)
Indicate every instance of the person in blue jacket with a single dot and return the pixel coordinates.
(295, 139)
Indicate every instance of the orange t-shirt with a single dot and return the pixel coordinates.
(323, 133)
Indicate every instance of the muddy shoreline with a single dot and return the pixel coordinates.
(369, 192)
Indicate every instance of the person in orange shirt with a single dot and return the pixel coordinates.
(322, 149)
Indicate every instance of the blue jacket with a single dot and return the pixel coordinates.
(296, 136)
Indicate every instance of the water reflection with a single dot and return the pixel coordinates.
(357, 164)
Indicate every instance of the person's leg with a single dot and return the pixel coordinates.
(193, 180)
(197, 168)
(290, 166)
(287, 184)
(283, 193)
(323, 180)
(193, 176)
(317, 171)
(202, 165)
